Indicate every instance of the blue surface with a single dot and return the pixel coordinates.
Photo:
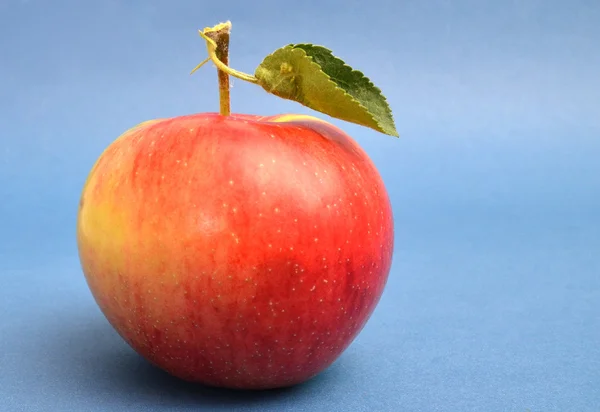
(493, 302)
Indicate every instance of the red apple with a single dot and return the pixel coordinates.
(236, 251)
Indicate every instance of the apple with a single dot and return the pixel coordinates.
(239, 251)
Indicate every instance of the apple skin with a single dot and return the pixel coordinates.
(242, 251)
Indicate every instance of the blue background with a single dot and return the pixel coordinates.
(493, 302)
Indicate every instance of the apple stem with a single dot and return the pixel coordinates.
(217, 44)
(220, 37)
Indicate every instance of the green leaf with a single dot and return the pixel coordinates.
(313, 76)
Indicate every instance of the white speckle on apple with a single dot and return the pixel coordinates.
(313, 288)
(231, 183)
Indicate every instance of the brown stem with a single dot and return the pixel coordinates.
(220, 35)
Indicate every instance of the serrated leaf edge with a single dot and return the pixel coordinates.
(353, 70)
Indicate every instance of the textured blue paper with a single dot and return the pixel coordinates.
(493, 302)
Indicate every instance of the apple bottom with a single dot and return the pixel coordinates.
(263, 334)
(282, 370)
